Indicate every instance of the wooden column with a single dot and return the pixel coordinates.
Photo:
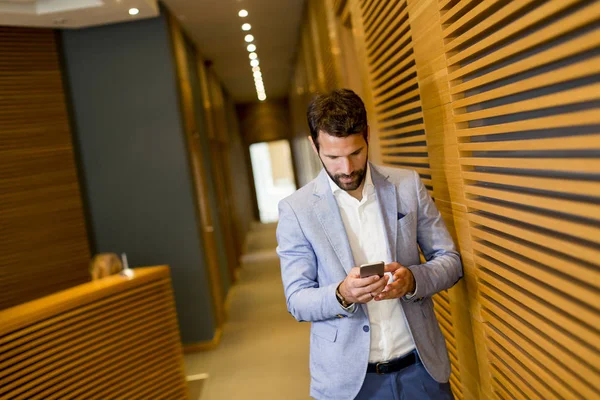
(200, 180)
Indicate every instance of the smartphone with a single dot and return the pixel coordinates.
(376, 268)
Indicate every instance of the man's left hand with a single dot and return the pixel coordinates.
(404, 282)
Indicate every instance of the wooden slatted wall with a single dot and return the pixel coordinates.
(524, 82)
(495, 104)
(394, 86)
(44, 243)
(113, 338)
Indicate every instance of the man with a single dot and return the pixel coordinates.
(371, 338)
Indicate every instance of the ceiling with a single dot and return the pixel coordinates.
(214, 25)
(216, 28)
(73, 13)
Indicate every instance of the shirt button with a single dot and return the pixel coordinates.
(366, 328)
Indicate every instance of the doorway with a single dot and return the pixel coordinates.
(273, 176)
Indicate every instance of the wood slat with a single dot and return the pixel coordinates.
(579, 208)
(460, 6)
(578, 95)
(573, 21)
(581, 118)
(567, 247)
(566, 305)
(560, 333)
(522, 382)
(564, 25)
(530, 367)
(568, 49)
(526, 336)
(579, 70)
(400, 141)
(585, 294)
(418, 115)
(589, 165)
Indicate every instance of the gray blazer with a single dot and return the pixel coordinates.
(315, 257)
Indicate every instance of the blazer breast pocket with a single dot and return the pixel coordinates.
(405, 219)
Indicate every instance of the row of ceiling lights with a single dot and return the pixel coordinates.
(258, 82)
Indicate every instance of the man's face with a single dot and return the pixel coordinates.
(344, 159)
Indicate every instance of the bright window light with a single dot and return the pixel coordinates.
(262, 97)
(249, 38)
(246, 27)
(243, 13)
(254, 63)
(251, 47)
(134, 11)
(253, 56)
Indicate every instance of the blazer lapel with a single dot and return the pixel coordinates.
(388, 203)
(328, 214)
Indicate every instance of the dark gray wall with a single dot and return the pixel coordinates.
(128, 125)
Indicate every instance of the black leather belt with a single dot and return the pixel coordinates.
(387, 367)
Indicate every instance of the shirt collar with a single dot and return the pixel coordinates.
(368, 187)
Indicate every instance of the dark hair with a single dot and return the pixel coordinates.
(340, 113)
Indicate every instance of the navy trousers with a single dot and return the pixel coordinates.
(411, 383)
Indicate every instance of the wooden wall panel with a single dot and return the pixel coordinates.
(398, 115)
(496, 103)
(43, 236)
(113, 338)
(524, 85)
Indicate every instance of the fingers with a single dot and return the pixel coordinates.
(392, 267)
(394, 290)
(363, 290)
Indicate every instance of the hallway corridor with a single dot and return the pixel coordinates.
(263, 353)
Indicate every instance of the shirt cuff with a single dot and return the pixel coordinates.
(409, 296)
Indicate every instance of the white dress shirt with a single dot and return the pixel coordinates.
(363, 222)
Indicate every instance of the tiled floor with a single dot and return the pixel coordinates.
(263, 352)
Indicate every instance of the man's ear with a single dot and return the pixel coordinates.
(312, 143)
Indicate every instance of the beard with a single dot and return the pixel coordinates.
(357, 177)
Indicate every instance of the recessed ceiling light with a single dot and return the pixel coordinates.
(257, 74)
(251, 47)
(134, 11)
(262, 97)
(254, 63)
(243, 13)
(254, 69)
(253, 56)
(246, 27)
(249, 38)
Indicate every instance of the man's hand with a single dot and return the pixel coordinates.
(361, 290)
(404, 282)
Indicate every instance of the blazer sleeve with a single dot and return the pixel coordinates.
(306, 301)
(443, 267)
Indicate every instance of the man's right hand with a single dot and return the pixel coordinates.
(355, 289)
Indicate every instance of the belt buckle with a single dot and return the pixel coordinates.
(384, 363)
